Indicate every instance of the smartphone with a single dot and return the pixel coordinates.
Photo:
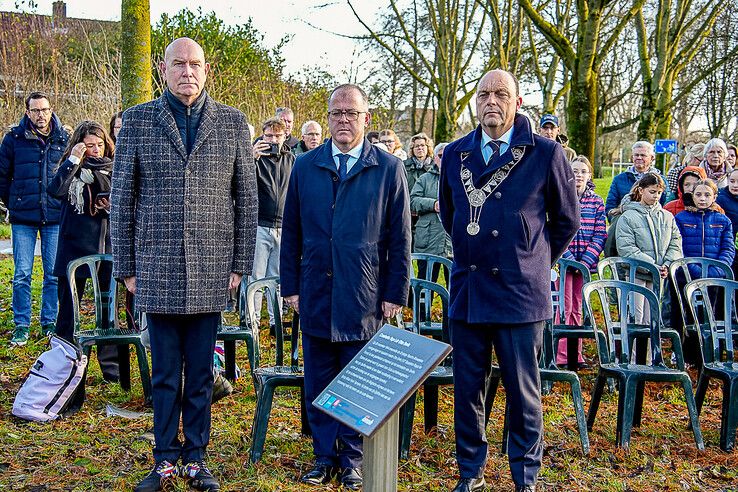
(273, 149)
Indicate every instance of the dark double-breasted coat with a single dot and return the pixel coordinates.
(346, 244)
(502, 274)
(181, 223)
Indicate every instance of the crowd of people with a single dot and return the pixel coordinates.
(189, 202)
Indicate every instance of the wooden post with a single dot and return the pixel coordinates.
(380, 457)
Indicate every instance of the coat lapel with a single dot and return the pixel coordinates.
(368, 158)
(166, 120)
(207, 123)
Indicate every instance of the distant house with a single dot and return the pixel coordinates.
(27, 37)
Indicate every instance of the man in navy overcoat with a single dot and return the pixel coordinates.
(507, 198)
(345, 263)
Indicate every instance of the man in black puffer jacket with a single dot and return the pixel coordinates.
(29, 154)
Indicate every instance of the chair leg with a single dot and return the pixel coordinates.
(407, 415)
(626, 407)
(229, 351)
(729, 420)
(430, 406)
(676, 347)
(124, 367)
(489, 399)
(703, 381)
(505, 429)
(576, 396)
(693, 415)
(262, 413)
(594, 403)
(304, 423)
(638, 408)
(143, 369)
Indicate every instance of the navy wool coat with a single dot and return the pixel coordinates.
(181, 223)
(346, 244)
(502, 275)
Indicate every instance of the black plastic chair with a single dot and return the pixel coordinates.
(680, 276)
(573, 333)
(625, 269)
(230, 334)
(267, 378)
(443, 375)
(107, 328)
(718, 349)
(615, 358)
(426, 326)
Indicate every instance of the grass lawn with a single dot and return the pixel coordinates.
(89, 451)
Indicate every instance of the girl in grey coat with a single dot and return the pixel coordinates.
(649, 233)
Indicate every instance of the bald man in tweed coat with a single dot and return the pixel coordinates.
(183, 228)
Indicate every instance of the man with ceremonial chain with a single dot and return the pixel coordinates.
(508, 200)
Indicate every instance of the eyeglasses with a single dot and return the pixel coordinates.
(390, 141)
(36, 111)
(351, 114)
(577, 172)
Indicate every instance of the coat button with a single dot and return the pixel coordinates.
(473, 268)
(495, 233)
(498, 195)
(329, 273)
(495, 271)
(335, 178)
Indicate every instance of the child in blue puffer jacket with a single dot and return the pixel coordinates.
(705, 231)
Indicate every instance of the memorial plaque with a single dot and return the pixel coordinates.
(381, 377)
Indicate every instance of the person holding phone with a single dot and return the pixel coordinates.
(82, 183)
(274, 162)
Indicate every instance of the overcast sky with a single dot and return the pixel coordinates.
(274, 18)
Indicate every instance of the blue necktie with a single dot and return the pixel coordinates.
(495, 146)
(343, 165)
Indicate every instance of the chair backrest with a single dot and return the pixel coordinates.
(567, 266)
(616, 316)
(712, 303)
(423, 288)
(625, 269)
(269, 286)
(430, 261)
(680, 274)
(105, 291)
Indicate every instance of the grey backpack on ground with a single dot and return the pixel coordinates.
(51, 382)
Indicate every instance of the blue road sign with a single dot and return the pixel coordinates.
(662, 146)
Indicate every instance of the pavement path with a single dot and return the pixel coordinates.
(6, 247)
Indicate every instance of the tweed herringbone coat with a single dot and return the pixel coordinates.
(181, 223)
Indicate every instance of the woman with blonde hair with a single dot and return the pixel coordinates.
(394, 146)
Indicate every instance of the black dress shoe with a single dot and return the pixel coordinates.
(351, 478)
(163, 475)
(199, 477)
(525, 488)
(319, 475)
(470, 485)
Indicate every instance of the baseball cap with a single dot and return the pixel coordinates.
(549, 118)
